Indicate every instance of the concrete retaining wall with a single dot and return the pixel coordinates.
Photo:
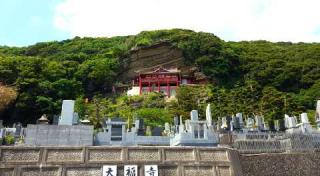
(281, 164)
(88, 161)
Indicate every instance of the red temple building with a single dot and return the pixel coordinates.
(159, 80)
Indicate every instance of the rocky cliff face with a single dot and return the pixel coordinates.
(145, 59)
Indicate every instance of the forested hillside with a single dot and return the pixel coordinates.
(253, 77)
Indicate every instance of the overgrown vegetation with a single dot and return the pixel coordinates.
(256, 77)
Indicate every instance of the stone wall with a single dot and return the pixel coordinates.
(46, 135)
(281, 164)
(88, 161)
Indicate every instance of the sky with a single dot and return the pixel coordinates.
(25, 22)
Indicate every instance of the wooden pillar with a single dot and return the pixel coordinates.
(158, 86)
(168, 89)
(140, 85)
(149, 87)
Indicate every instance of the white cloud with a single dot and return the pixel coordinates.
(275, 20)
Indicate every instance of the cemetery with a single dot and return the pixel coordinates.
(71, 147)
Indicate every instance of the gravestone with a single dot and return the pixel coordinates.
(140, 127)
(157, 131)
(116, 130)
(167, 128)
(286, 121)
(181, 126)
(259, 122)
(250, 123)
(276, 125)
(176, 120)
(282, 125)
(304, 118)
(224, 122)
(18, 130)
(67, 112)
(187, 124)
(236, 123)
(292, 123)
(176, 124)
(194, 115)
(240, 118)
(1, 124)
(75, 119)
(2, 133)
(271, 126)
(208, 115)
(229, 119)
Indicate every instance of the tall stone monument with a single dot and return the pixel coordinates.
(305, 126)
(208, 115)
(67, 112)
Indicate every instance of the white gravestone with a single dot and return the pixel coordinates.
(208, 115)
(286, 121)
(194, 115)
(250, 123)
(292, 122)
(109, 170)
(224, 124)
(167, 128)
(151, 170)
(67, 112)
(304, 118)
(130, 170)
(2, 133)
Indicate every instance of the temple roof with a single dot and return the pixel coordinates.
(162, 71)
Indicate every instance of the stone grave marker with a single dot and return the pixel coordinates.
(67, 112)
(176, 120)
(1, 124)
(208, 115)
(140, 128)
(116, 130)
(229, 119)
(18, 130)
(167, 127)
(240, 118)
(282, 125)
(157, 131)
(2, 133)
(304, 118)
(250, 123)
(224, 122)
(194, 115)
(237, 123)
(271, 126)
(259, 122)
